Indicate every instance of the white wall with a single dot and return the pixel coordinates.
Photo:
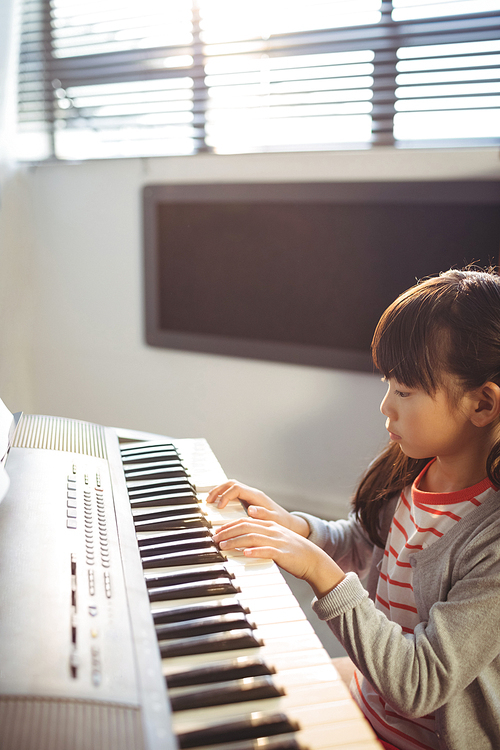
(71, 320)
(16, 245)
(75, 229)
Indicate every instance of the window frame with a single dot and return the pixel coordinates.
(39, 68)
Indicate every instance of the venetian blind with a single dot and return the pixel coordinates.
(115, 78)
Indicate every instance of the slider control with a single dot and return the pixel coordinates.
(73, 655)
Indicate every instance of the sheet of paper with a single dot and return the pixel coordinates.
(6, 424)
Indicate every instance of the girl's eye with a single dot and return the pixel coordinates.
(402, 394)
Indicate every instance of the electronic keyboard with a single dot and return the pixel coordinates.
(124, 627)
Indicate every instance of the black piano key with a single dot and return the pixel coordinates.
(172, 497)
(157, 485)
(140, 489)
(176, 484)
(175, 510)
(147, 446)
(174, 536)
(193, 557)
(281, 742)
(186, 544)
(194, 611)
(192, 628)
(156, 472)
(155, 469)
(207, 644)
(148, 449)
(217, 587)
(236, 691)
(222, 671)
(183, 576)
(150, 457)
(172, 522)
(259, 724)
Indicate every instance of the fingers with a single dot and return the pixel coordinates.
(232, 490)
(258, 511)
(256, 539)
(297, 555)
(259, 505)
(267, 553)
(215, 495)
(267, 539)
(251, 535)
(245, 542)
(222, 494)
(242, 533)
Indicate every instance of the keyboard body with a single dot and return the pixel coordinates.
(122, 627)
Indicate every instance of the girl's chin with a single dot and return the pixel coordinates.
(407, 450)
(412, 454)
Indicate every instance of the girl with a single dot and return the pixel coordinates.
(425, 526)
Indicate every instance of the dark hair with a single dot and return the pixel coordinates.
(444, 325)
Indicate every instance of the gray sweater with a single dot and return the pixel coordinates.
(450, 666)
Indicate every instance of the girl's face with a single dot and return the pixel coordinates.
(426, 426)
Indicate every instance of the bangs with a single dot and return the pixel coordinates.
(409, 345)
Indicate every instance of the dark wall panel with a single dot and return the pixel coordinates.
(302, 273)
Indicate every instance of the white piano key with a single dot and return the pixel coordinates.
(343, 734)
(203, 464)
(279, 603)
(309, 707)
(312, 655)
(290, 676)
(280, 652)
(323, 738)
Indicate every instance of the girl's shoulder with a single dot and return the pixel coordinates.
(485, 519)
(474, 538)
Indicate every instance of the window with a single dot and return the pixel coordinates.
(114, 78)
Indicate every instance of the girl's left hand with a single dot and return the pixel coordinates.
(292, 552)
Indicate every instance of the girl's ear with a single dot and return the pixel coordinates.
(486, 404)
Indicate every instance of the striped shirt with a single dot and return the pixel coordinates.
(420, 519)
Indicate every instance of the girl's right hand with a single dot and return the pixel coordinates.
(293, 553)
(258, 505)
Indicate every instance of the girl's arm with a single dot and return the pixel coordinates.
(291, 551)
(344, 540)
(416, 673)
(457, 641)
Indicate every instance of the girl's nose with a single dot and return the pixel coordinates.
(384, 405)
